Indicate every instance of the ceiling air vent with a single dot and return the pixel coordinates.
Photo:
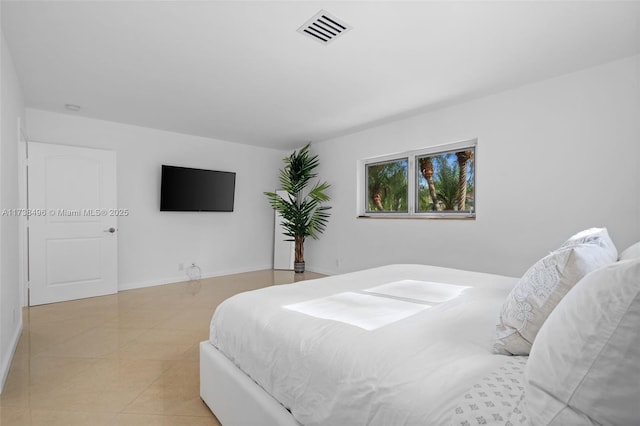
(324, 28)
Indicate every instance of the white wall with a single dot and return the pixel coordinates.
(552, 158)
(12, 108)
(151, 243)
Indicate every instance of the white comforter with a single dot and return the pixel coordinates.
(409, 369)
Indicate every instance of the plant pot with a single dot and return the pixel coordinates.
(298, 267)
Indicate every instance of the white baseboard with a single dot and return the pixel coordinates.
(322, 271)
(6, 360)
(183, 278)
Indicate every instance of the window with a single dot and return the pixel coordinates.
(431, 183)
(387, 186)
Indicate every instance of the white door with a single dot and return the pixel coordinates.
(72, 223)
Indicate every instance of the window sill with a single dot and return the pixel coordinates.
(420, 217)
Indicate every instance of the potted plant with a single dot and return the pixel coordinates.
(303, 214)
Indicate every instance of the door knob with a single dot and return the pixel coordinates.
(110, 230)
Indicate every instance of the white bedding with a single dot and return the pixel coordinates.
(363, 310)
(409, 371)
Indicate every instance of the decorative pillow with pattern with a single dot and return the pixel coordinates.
(599, 236)
(539, 291)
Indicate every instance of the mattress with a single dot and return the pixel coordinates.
(399, 344)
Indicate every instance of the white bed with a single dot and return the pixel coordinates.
(399, 344)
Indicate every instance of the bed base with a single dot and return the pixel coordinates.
(233, 397)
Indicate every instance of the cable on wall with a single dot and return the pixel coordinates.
(195, 274)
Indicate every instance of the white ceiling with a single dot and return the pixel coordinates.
(239, 71)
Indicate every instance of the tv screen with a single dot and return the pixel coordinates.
(183, 189)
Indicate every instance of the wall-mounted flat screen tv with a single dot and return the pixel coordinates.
(184, 189)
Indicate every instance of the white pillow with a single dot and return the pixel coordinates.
(494, 399)
(584, 366)
(598, 236)
(539, 290)
(632, 252)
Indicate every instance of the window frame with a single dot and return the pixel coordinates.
(412, 182)
(366, 178)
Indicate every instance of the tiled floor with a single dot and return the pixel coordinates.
(125, 359)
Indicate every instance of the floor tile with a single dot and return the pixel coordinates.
(113, 384)
(176, 392)
(16, 416)
(70, 418)
(43, 335)
(126, 359)
(191, 319)
(95, 343)
(140, 318)
(156, 420)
